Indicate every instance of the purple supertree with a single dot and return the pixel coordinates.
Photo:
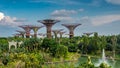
(22, 33)
(42, 34)
(61, 33)
(48, 23)
(27, 29)
(16, 35)
(71, 28)
(88, 34)
(56, 32)
(35, 29)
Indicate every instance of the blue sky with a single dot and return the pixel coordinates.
(102, 16)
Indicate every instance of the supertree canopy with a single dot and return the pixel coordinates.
(48, 23)
(71, 28)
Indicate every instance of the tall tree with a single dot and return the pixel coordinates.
(114, 43)
(103, 42)
(95, 42)
(85, 44)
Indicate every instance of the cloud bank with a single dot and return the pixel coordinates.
(10, 21)
(117, 2)
(1, 15)
(101, 20)
(66, 16)
(63, 12)
(106, 19)
(60, 2)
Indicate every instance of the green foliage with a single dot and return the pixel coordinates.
(47, 43)
(103, 42)
(30, 59)
(3, 44)
(72, 47)
(5, 61)
(34, 52)
(55, 49)
(15, 39)
(61, 51)
(34, 60)
(32, 44)
(104, 65)
(65, 41)
(85, 44)
(84, 65)
(87, 64)
(58, 50)
(95, 42)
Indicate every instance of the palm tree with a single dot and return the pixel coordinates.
(85, 43)
(95, 42)
(114, 42)
(103, 42)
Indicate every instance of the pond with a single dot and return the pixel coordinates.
(114, 64)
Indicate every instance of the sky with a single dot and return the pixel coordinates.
(102, 16)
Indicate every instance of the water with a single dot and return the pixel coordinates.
(115, 64)
(97, 62)
(103, 59)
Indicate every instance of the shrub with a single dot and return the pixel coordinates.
(72, 47)
(47, 43)
(61, 51)
(32, 44)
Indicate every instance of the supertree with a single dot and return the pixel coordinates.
(61, 33)
(22, 33)
(42, 34)
(56, 32)
(48, 23)
(32, 35)
(71, 28)
(27, 29)
(16, 35)
(35, 29)
(88, 34)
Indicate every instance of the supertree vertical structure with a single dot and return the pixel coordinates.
(35, 29)
(88, 34)
(48, 23)
(27, 29)
(42, 35)
(16, 35)
(32, 35)
(71, 28)
(56, 32)
(22, 33)
(61, 33)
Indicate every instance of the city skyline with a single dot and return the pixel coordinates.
(102, 16)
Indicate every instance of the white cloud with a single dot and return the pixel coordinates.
(60, 2)
(64, 15)
(96, 3)
(81, 10)
(1, 15)
(63, 12)
(10, 21)
(85, 20)
(38, 1)
(65, 19)
(101, 20)
(114, 1)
